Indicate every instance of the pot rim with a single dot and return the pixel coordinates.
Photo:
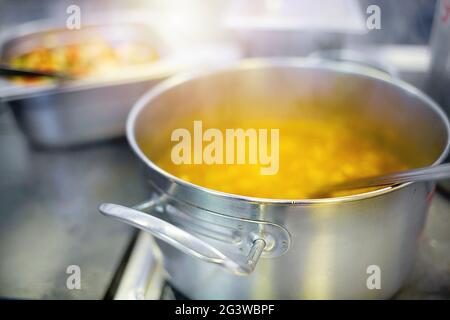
(255, 63)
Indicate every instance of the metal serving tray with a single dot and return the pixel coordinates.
(80, 111)
(90, 109)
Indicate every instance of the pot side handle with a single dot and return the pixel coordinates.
(183, 240)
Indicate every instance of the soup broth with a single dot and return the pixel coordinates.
(313, 153)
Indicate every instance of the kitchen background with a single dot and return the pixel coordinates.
(49, 196)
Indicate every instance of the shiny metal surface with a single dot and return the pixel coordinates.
(354, 56)
(48, 216)
(272, 241)
(180, 239)
(144, 275)
(62, 119)
(334, 241)
(79, 111)
(430, 278)
(332, 247)
(438, 77)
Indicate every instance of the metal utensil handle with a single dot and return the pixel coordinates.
(183, 240)
(8, 71)
(433, 173)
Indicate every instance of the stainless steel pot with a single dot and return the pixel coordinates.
(317, 248)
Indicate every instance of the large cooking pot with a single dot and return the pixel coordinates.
(224, 246)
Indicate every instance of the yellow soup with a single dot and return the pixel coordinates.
(313, 153)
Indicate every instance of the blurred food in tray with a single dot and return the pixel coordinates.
(84, 59)
(109, 51)
(93, 56)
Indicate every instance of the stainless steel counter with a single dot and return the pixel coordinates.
(49, 218)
